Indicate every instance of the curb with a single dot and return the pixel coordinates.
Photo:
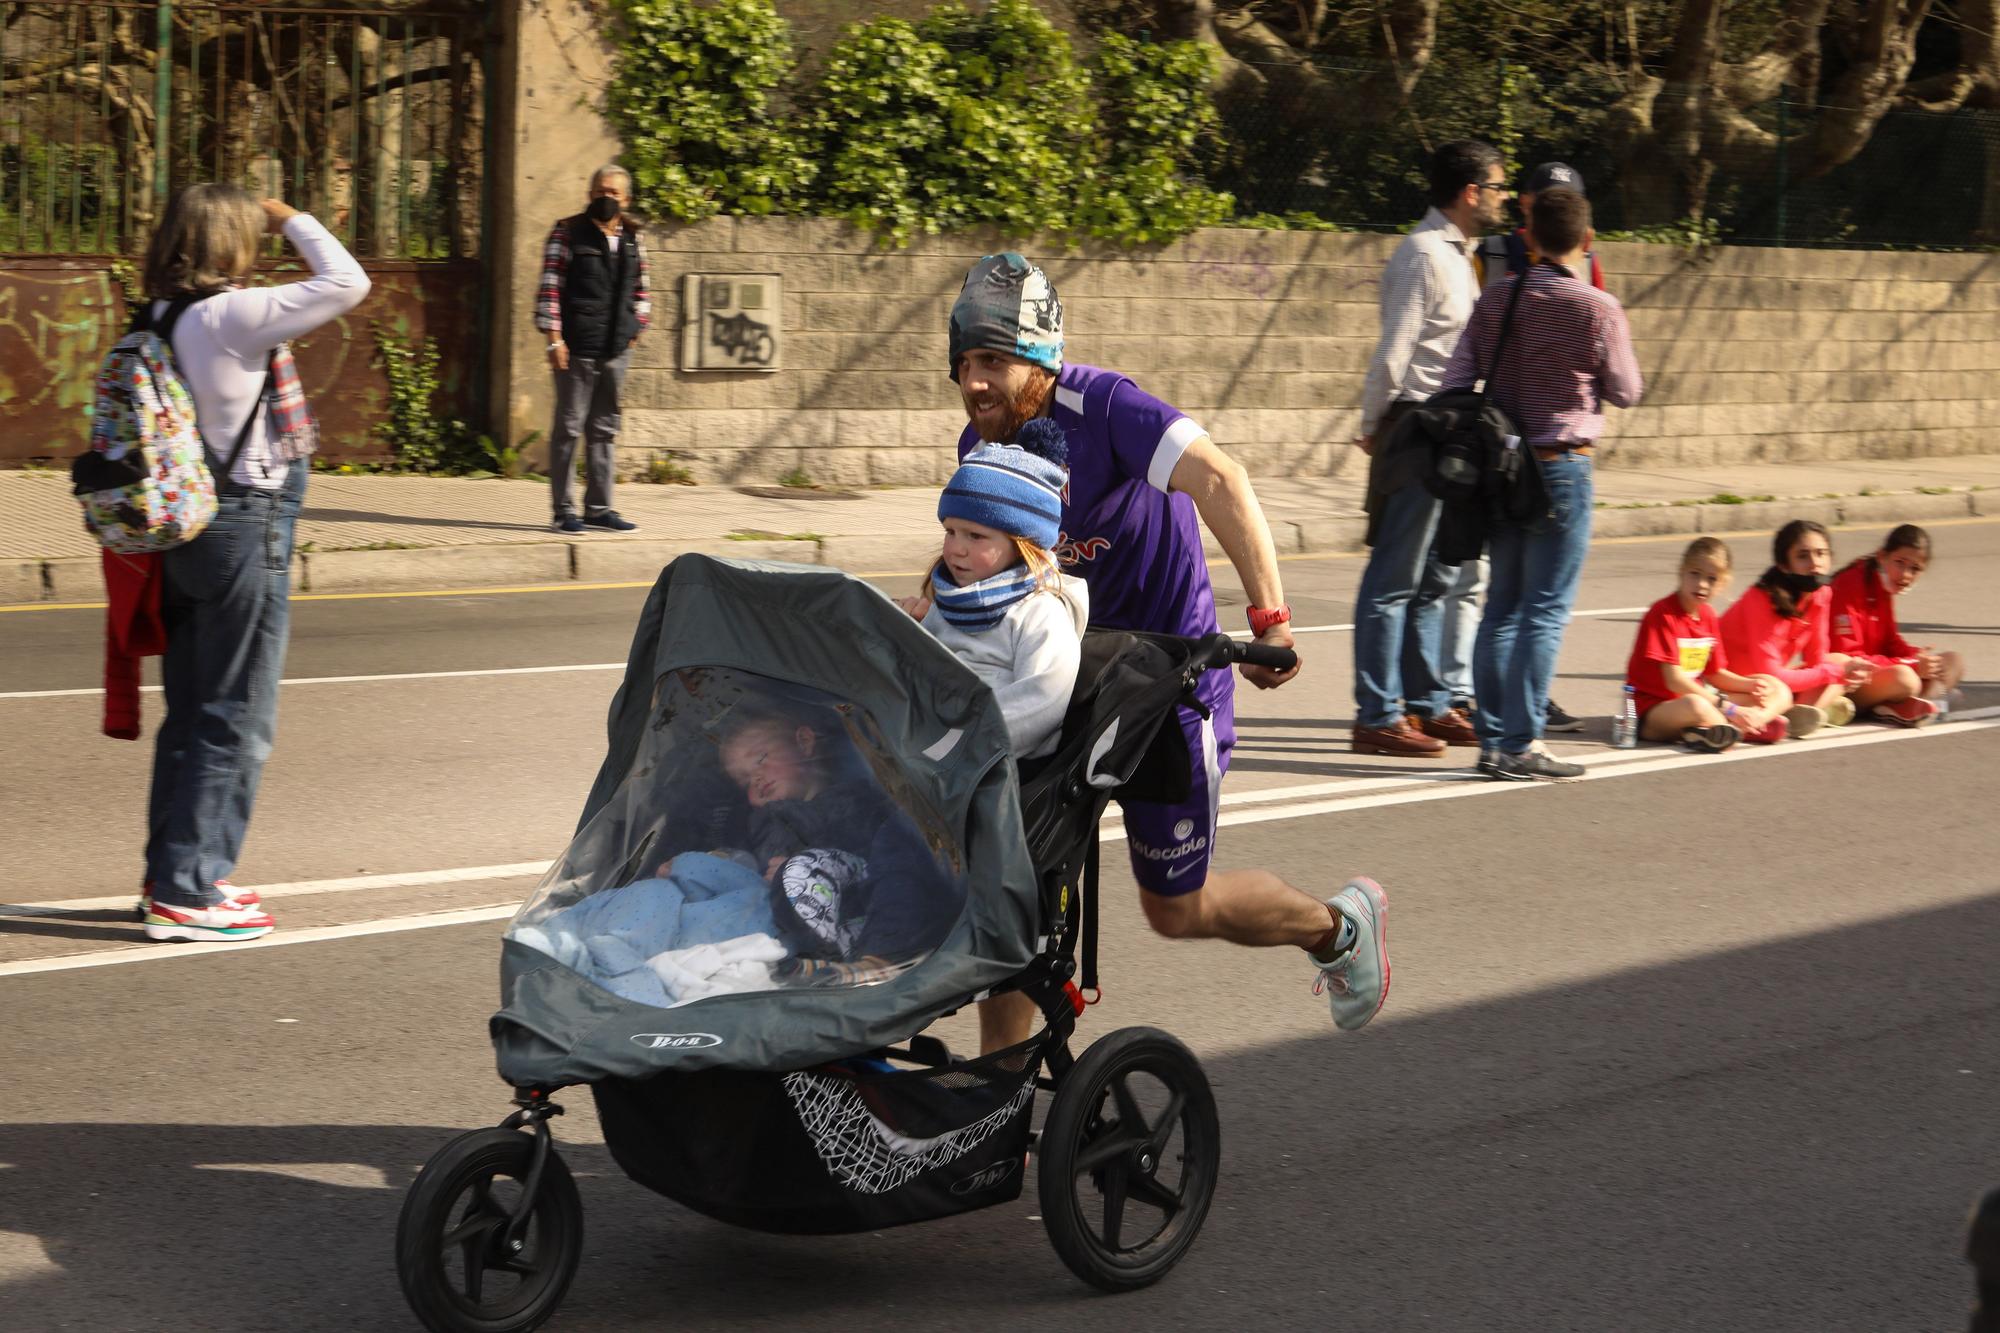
(80, 579)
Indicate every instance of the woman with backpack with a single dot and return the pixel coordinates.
(225, 595)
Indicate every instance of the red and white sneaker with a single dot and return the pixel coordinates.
(248, 897)
(1913, 712)
(227, 920)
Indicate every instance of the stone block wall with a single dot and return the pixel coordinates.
(1263, 337)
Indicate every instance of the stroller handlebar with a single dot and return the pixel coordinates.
(1218, 651)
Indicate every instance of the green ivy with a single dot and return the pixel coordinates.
(956, 121)
(419, 436)
(693, 97)
(1157, 122)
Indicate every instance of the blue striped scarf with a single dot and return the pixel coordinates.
(980, 606)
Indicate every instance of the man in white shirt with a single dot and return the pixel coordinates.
(1402, 705)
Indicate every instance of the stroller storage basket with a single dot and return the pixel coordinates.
(852, 1146)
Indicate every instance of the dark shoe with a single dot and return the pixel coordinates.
(1400, 740)
(1711, 740)
(1535, 766)
(1555, 719)
(1454, 728)
(610, 522)
(1489, 761)
(570, 524)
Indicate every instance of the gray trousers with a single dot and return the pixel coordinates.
(587, 406)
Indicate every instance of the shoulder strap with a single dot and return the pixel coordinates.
(1520, 281)
(178, 306)
(243, 436)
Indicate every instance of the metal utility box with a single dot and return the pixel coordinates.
(730, 321)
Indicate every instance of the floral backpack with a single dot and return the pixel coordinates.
(145, 483)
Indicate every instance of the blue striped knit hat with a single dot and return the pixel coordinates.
(1013, 488)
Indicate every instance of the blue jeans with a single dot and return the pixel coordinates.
(227, 606)
(1460, 630)
(1399, 614)
(1535, 570)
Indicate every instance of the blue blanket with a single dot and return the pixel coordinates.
(616, 937)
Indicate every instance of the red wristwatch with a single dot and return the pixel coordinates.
(1262, 620)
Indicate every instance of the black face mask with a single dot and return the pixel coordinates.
(1799, 585)
(603, 208)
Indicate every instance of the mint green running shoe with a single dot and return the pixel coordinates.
(1357, 982)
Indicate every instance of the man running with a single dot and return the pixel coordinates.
(1143, 478)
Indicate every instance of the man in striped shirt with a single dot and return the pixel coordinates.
(1568, 352)
(1402, 701)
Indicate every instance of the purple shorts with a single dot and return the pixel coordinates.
(1170, 845)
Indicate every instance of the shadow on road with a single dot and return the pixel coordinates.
(1775, 1138)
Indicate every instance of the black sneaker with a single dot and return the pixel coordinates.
(1555, 719)
(610, 522)
(1489, 761)
(570, 524)
(1535, 766)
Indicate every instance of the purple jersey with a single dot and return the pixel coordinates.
(1133, 541)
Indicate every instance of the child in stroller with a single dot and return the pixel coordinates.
(834, 885)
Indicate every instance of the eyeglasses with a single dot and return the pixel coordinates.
(1492, 185)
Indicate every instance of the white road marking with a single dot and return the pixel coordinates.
(1615, 765)
(153, 953)
(609, 666)
(1650, 760)
(353, 680)
(406, 879)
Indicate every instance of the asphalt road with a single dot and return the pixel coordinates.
(1695, 1044)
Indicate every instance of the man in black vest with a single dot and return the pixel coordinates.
(594, 301)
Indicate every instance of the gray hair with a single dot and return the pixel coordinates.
(611, 169)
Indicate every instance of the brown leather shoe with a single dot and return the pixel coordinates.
(1400, 740)
(1454, 728)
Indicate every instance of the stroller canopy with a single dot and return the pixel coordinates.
(805, 842)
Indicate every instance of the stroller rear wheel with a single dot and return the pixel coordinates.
(1130, 1152)
(460, 1271)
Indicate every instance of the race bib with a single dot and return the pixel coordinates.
(1695, 654)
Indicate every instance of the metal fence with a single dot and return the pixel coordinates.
(372, 121)
(1922, 180)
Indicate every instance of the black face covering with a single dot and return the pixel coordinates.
(1799, 585)
(603, 208)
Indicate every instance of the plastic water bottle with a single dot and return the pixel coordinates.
(1625, 727)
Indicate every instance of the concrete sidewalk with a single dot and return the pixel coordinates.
(378, 533)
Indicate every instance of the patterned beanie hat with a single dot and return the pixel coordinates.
(1013, 488)
(1007, 305)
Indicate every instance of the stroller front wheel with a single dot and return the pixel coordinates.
(1129, 1157)
(460, 1270)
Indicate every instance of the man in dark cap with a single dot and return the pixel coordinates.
(1143, 480)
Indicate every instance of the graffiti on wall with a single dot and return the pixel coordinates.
(58, 317)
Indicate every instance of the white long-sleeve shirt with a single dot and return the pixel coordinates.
(1428, 290)
(222, 343)
(1030, 659)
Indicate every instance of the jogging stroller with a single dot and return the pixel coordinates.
(808, 842)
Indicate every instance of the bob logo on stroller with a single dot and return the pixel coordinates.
(677, 1041)
(986, 1179)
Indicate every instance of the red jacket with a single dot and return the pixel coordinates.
(1763, 643)
(1864, 618)
(133, 628)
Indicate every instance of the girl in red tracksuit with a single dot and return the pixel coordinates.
(1907, 685)
(1680, 673)
(1784, 616)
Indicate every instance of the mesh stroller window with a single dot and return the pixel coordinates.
(765, 838)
